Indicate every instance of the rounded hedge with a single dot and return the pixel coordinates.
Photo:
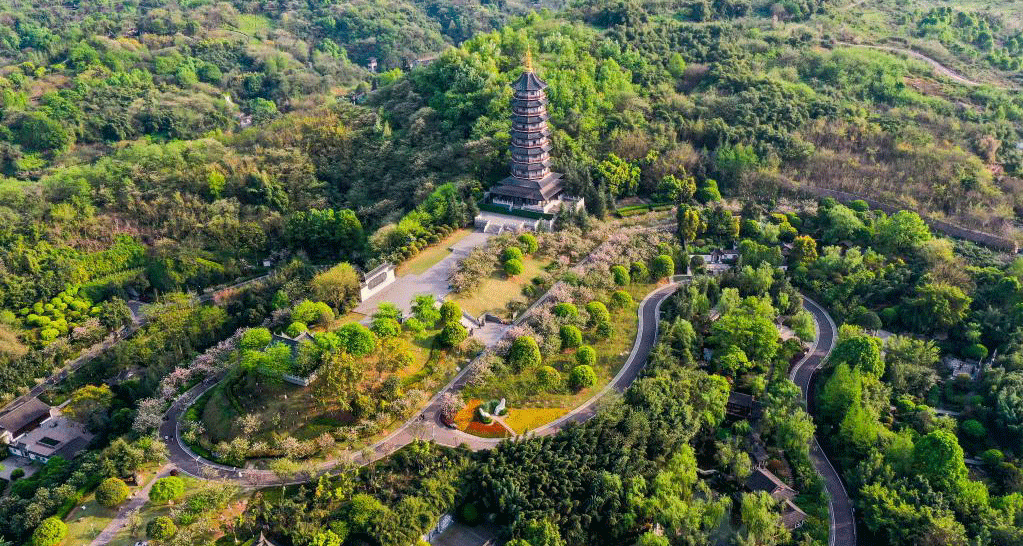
(586, 356)
(529, 243)
(620, 275)
(111, 492)
(571, 337)
(50, 532)
(581, 377)
(598, 313)
(605, 330)
(565, 310)
(161, 528)
(512, 253)
(548, 378)
(453, 334)
(620, 299)
(296, 328)
(513, 267)
(524, 353)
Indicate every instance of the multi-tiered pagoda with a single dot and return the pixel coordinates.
(531, 184)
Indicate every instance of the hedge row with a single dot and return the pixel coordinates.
(635, 210)
(501, 209)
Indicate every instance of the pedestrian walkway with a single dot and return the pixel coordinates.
(129, 508)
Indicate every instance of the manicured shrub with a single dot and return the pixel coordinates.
(548, 379)
(412, 324)
(889, 316)
(581, 377)
(869, 321)
(453, 334)
(662, 266)
(513, 267)
(586, 356)
(295, 328)
(161, 528)
(17, 474)
(571, 336)
(524, 353)
(620, 299)
(605, 330)
(598, 313)
(620, 275)
(639, 272)
(529, 243)
(565, 310)
(512, 253)
(167, 489)
(111, 492)
(50, 532)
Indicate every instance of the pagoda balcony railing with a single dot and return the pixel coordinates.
(529, 111)
(519, 158)
(529, 143)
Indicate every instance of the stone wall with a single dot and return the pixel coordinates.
(987, 239)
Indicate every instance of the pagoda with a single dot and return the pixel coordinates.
(531, 185)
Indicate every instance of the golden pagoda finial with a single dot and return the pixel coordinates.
(529, 59)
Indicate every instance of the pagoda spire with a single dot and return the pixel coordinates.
(529, 59)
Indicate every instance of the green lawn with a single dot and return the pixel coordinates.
(86, 524)
(530, 410)
(495, 293)
(430, 256)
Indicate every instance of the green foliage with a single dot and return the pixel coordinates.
(620, 176)
(356, 339)
(598, 314)
(161, 528)
(620, 299)
(662, 266)
(167, 489)
(50, 532)
(548, 379)
(861, 352)
(586, 356)
(512, 253)
(424, 307)
(524, 354)
(450, 312)
(571, 336)
(529, 243)
(255, 339)
(513, 267)
(620, 275)
(565, 310)
(453, 334)
(385, 327)
(295, 328)
(112, 492)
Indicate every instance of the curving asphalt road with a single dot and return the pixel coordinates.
(425, 425)
(842, 522)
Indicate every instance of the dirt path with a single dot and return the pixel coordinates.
(129, 508)
(938, 67)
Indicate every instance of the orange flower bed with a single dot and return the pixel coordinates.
(493, 430)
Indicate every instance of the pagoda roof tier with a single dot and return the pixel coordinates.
(539, 190)
(531, 150)
(529, 81)
(544, 131)
(530, 118)
(533, 164)
(528, 103)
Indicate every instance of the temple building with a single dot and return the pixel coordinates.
(532, 185)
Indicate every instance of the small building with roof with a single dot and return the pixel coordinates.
(792, 516)
(55, 436)
(23, 418)
(762, 479)
(739, 405)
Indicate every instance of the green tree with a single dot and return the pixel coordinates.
(450, 312)
(112, 492)
(424, 307)
(356, 339)
(548, 379)
(861, 352)
(255, 339)
(167, 489)
(938, 458)
(938, 306)
(36, 132)
(338, 286)
(804, 250)
(620, 176)
(50, 532)
(540, 533)
(901, 232)
(512, 253)
(453, 334)
(524, 353)
(761, 524)
(161, 528)
(620, 299)
(734, 161)
(749, 330)
(385, 327)
(690, 223)
(90, 404)
(732, 362)
(676, 190)
(598, 313)
(565, 310)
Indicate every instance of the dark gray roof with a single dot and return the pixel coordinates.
(740, 399)
(529, 81)
(764, 480)
(543, 189)
(25, 416)
(791, 515)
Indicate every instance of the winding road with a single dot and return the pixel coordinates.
(840, 511)
(427, 424)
